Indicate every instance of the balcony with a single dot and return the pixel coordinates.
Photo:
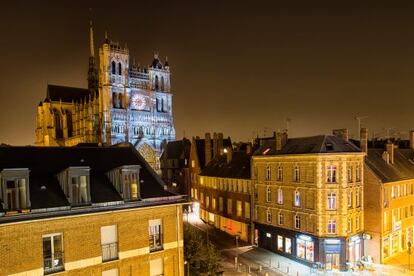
(109, 252)
(54, 263)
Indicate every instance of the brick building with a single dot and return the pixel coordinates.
(86, 210)
(309, 199)
(224, 191)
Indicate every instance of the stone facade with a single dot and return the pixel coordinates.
(124, 103)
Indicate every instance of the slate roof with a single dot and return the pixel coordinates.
(238, 167)
(44, 163)
(402, 169)
(177, 149)
(200, 145)
(66, 94)
(303, 145)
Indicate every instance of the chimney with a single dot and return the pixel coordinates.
(207, 148)
(363, 139)
(215, 146)
(390, 151)
(229, 154)
(341, 133)
(281, 139)
(248, 148)
(220, 147)
(411, 139)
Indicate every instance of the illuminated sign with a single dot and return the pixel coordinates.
(305, 238)
(332, 241)
(268, 235)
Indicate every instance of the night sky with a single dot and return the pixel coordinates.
(239, 67)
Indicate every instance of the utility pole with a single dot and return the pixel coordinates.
(359, 119)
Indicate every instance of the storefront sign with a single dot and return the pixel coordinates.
(333, 241)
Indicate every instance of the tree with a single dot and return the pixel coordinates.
(202, 256)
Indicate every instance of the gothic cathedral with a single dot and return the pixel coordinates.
(123, 103)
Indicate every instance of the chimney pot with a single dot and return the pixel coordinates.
(281, 139)
(390, 151)
(364, 139)
(341, 133)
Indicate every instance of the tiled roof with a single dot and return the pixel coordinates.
(238, 167)
(303, 145)
(44, 163)
(66, 94)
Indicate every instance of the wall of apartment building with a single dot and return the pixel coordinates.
(22, 250)
(225, 219)
(313, 189)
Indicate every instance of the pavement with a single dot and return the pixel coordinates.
(252, 260)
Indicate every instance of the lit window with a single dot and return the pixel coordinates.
(192, 163)
(349, 199)
(331, 174)
(358, 173)
(229, 206)
(15, 187)
(296, 201)
(288, 245)
(213, 203)
(268, 173)
(52, 253)
(279, 243)
(331, 201)
(269, 216)
(349, 174)
(279, 196)
(398, 190)
(220, 204)
(357, 198)
(331, 226)
(155, 235)
(268, 194)
(239, 210)
(109, 243)
(392, 192)
(207, 201)
(297, 221)
(357, 223)
(280, 173)
(247, 210)
(268, 235)
(281, 219)
(296, 174)
(349, 224)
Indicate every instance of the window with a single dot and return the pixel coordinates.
(279, 196)
(279, 243)
(297, 221)
(288, 245)
(52, 253)
(74, 182)
(207, 201)
(296, 199)
(296, 174)
(113, 70)
(357, 198)
(281, 219)
(156, 83)
(119, 68)
(358, 173)
(213, 203)
(109, 243)
(280, 173)
(229, 206)
(239, 208)
(349, 225)
(247, 210)
(268, 173)
(331, 226)
(331, 202)
(392, 192)
(202, 197)
(16, 194)
(155, 235)
(268, 216)
(349, 170)
(331, 174)
(192, 163)
(357, 223)
(268, 194)
(349, 199)
(157, 267)
(220, 204)
(398, 190)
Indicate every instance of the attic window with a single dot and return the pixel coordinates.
(75, 183)
(266, 151)
(15, 189)
(329, 146)
(126, 181)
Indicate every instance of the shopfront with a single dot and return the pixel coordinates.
(355, 248)
(305, 248)
(333, 251)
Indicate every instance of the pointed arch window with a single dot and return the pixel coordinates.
(119, 68)
(162, 83)
(156, 83)
(113, 67)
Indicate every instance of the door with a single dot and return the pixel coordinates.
(332, 261)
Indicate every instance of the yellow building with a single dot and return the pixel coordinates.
(309, 199)
(224, 192)
(86, 211)
(389, 175)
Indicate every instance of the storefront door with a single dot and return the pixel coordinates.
(332, 261)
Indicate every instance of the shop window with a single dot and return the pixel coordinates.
(52, 253)
(305, 248)
(331, 174)
(288, 245)
(279, 243)
(331, 201)
(331, 226)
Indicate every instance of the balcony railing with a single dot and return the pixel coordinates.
(109, 252)
(53, 263)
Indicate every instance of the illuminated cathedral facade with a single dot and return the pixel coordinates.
(123, 103)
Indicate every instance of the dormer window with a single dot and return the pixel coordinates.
(75, 183)
(126, 181)
(14, 189)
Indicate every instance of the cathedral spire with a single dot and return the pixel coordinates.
(91, 41)
(92, 72)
